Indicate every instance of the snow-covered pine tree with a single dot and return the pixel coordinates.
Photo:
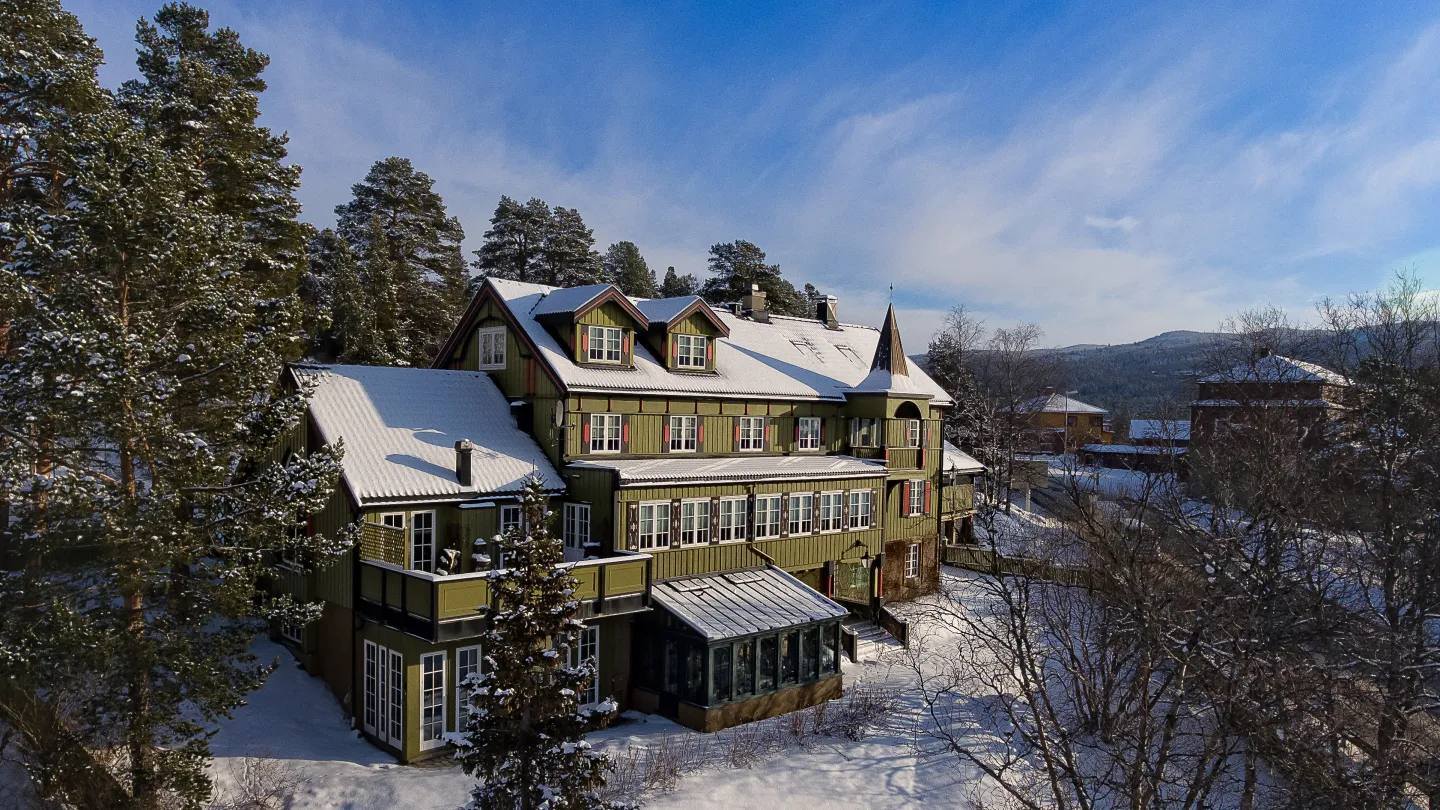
(568, 256)
(427, 273)
(739, 264)
(511, 249)
(676, 286)
(141, 465)
(627, 268)
(524, 742)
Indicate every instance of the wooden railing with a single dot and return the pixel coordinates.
(441, 608)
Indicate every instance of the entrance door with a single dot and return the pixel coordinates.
(384, 710)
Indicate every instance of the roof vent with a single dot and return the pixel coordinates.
(465, 462)
(825, 311)
(753, 304)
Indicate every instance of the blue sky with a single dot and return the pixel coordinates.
(1107, 171)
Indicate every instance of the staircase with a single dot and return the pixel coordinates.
(871, 641)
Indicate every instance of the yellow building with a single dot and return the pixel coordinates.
(1057, 422)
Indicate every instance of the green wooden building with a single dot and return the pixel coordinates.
(729, 484)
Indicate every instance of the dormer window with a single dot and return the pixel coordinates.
(491, 343)
(604, 344)
(690, 351)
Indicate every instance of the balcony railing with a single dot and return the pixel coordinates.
(442, 608)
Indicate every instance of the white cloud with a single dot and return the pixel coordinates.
(1126, 223)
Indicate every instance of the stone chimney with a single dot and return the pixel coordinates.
(753, 305)
(465, 462)
(825, 311)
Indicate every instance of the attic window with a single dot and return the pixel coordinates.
(848, 352)
(690, 351)
(491, 343)
(604, 345)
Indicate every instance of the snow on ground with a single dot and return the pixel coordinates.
(295, 719)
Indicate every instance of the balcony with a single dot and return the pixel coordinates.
(890, 441)
(442, 608)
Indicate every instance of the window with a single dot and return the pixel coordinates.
(810, 653)
(864, 432)
(767, 516)
(576, 529)
(384, 712)
(654, 525)
(830, 510)
(510, 517)
(604, 344)
(694, 522)
(467, 663)
(720, 675)
(828, 641)
(802, 509)
(605, 432)
(395, 520)
(432, 700)
(789, 657)
(1071, 419)
(745, 667)
(732, 519)
(422, 541)
(684, 433)
(917, 497)
(752, 433)
(766, 677)
(807, 433)
(912, 433)
(912, 561)
(294, 633)
(587, 652)
(491, 341)
(690, 351)
(861, 508)
(1097, 421)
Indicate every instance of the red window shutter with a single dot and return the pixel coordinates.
(797, 431)
(674, 350)
(625, 432)
(737, 433)
(905, 496)
(822, 433)
(927, 497)
(769, 434)
(700, 431)
(665, 438)
(709, 352)
(584, 340)
(585, 434)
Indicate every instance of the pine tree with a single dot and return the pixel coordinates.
(512, 245)
(199, 96)
(425, 266)
(676, 286)
(627, 268)
(738, 265)
(141, 424)
(568, 256)
(524, 741)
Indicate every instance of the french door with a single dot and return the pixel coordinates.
(384, 710)
(576, 530)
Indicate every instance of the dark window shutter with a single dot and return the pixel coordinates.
(769, 435)
(675, 523)
(632, 526)
(815, 513)
(874, 507)
(797, 432)
(845, 511)
(714, 521)
(749, 517)
(823, 445)
(785, 515)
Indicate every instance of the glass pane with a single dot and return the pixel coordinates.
(811, 653)
(829, 640)
(766, 677)
(789, 658)
(694, 674)
(720, 675)
(745, 667)
(672, 667)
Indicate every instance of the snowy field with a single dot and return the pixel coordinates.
(294, 718)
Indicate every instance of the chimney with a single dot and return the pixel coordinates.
(754, 305)
(825, 311)
(465, 462)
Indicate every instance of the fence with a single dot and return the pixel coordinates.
(985, 561)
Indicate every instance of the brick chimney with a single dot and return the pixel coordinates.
(753, 305)
(465, 462)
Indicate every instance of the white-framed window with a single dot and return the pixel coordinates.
(864, 432)
(395, 520)
(467, 663)
(294, 633)
(604, 344)
(807, 433)
(802, 511)
(684, 434)
(912, 561)
(605, 432)
(732, 519)
(767, 516)
(912, 433)
(830, 511)
(586, 649)
(861, 508)
(752, 433)
(491, 343)
(511, 516)
(917, 498)
(690, 351)
(432, 700)
(694, 522)
(654, 525)
(422, 541)
(384, 711)
(576, 529)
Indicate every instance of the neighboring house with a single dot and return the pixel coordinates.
(957, 495)
(1306, 394)
(1155, 446)
(1160, 432)
(729, 484)
(1057, 423)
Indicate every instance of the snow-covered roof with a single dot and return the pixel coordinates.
(1057, 403)
(640, 471)
(1160, 429)
(1131, 450)
(787, 358)
(1278, 369)
(565, 300)
(1264, 403)
(957, 460)
(744, 602)
(665, 310)
(400, 426)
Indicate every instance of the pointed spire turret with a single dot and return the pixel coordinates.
(889, 354)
